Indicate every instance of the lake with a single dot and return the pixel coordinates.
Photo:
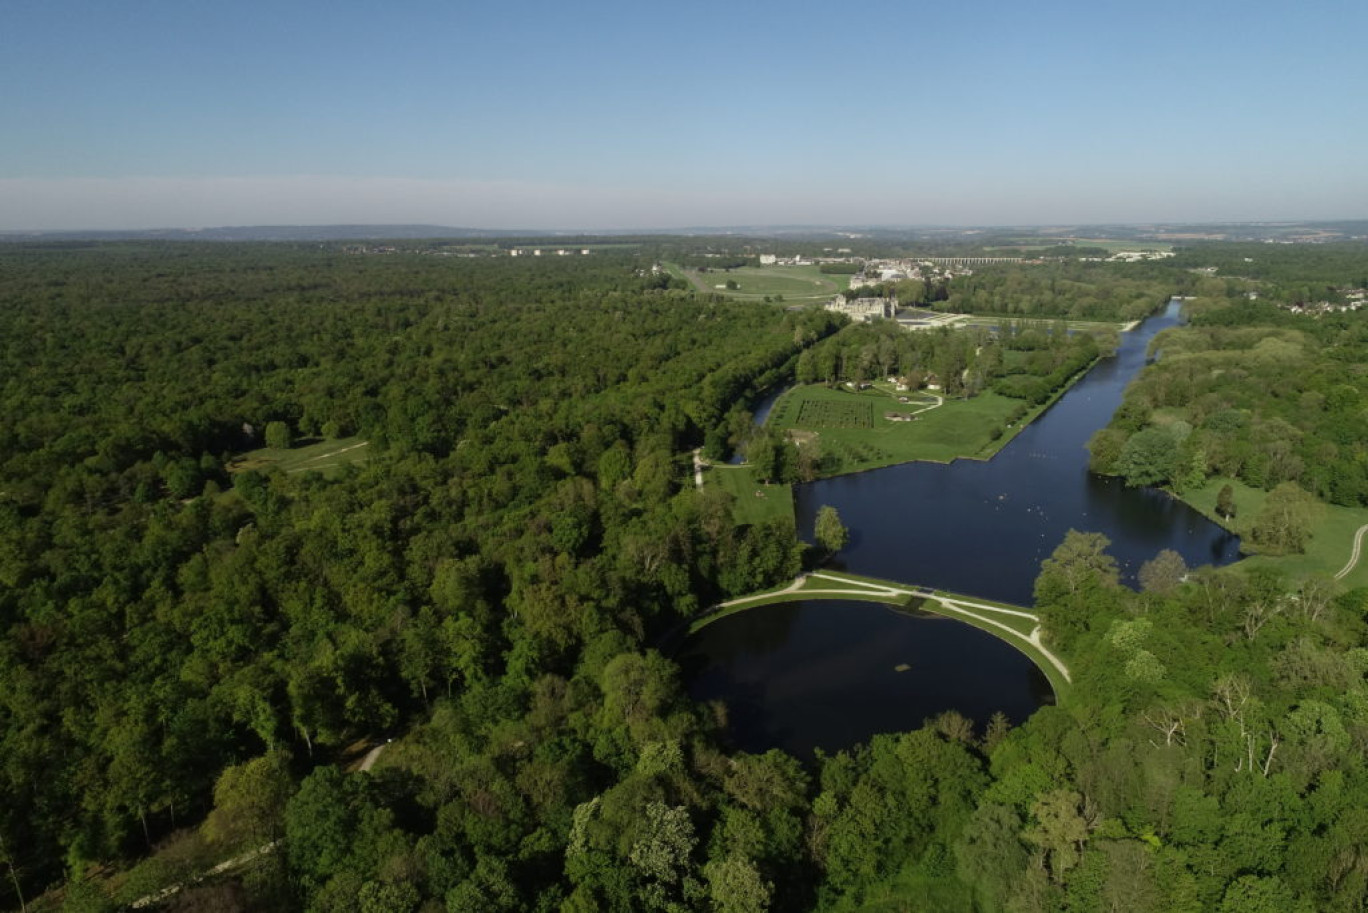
(820, 673)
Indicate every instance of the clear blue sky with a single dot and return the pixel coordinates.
(152, 113)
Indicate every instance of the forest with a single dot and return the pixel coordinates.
(191, 651)
(1025, 359)
(1073, 289)
(1251, 392)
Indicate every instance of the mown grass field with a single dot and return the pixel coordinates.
(1330, 545)
(755, 503)
(1078, 326)
(974, 428)
(755, 283)
(327, 457)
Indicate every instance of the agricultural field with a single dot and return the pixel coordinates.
(326, 456)
(1111, 245)
(846, 412)
(755, 283)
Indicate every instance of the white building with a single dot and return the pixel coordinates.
(863, 310)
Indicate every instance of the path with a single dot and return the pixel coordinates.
(939, 401)
(219, 869)
(952, 605)
(372, 756)
(238, 861)
(1354, 555)
(303, 467)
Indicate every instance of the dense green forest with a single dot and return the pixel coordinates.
(1287, 272)
(1026, 359)
(164, 618)
(1076, 290)
(189, 648)
(1251, 392)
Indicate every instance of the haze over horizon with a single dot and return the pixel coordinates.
(618, 116)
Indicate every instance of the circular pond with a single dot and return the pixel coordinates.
(830, 673)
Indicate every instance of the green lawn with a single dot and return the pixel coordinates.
(853, 434)
(1330, 545)
(326, 457)
(773, 501)
(1099, 327)
(795, 283)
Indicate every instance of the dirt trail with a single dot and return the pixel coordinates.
(1354, 555)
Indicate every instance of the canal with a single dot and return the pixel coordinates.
(829, 674)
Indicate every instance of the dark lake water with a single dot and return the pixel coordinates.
(978, 528)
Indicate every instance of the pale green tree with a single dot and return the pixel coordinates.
(830, 531)
(278, 436)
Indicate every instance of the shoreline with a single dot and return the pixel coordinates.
(985, 454)
(1010, 628)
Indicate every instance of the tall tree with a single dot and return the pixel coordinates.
(831, 533)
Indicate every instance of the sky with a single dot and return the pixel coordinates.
(599, 115)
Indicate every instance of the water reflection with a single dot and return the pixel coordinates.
(984, 527)
(846, 670)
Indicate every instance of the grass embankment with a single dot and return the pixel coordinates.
(1096, 327)
(755, 502)
(1013, 625)
(1332, 539)
(327, 457)
(796, 284)
(853, 434)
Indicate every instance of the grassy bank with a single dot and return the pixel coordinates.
(1332, 539)
(755, 501)
(854, 433)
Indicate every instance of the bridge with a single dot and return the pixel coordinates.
(1013, 624)
(970, 261)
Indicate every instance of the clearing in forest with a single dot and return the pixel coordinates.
(313, 455)
(755, 283)
(754, 502)
(1333, 534)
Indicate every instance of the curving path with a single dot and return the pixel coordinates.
(1354, 555)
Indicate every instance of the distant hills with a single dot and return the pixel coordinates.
(1244, 231)
(270, 233)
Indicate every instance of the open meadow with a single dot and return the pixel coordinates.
(855, 433)
(326, 456)
(755, 501)
(1327, 552)
(755, 283)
